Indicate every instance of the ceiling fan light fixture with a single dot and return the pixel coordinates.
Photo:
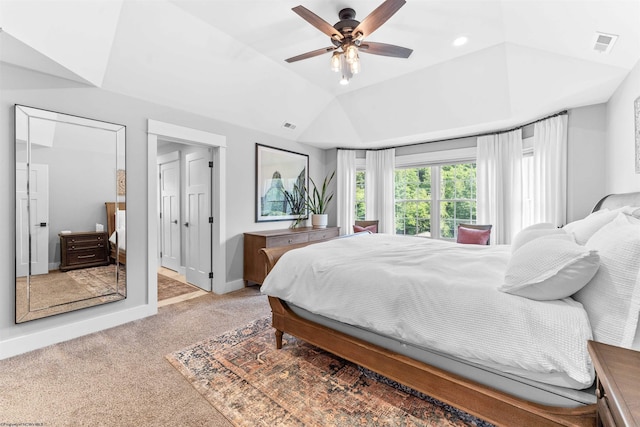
(351, 53)
(347, 37)
(335, 62)
(355, 66)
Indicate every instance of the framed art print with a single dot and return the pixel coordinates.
(281, 178)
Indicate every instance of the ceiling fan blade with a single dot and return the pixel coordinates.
(385, 49)
(311, 54)
(318, 22)
(376, 18)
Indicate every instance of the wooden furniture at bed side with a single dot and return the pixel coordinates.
(617, 384)
(482, 401)
(111, 227)
(254, 266)
(83, 249)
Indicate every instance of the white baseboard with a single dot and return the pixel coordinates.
(25, 343)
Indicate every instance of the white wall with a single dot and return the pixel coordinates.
(21, 86)
(621, 175)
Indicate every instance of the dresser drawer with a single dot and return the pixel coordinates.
(323, 234)
(86, 238)
(605, 417)
(86, 244)
(286, 240)
(86, 256)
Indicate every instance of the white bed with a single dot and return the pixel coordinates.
(405, 295)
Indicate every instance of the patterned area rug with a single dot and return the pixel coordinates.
(251, 383)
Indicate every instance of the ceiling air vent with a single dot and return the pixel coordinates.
(288, 125)
(603, 42)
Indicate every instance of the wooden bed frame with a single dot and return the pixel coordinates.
(111, 227)
(482, 401)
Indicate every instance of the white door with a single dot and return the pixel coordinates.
(170, 214)
(197, 226)
(32, 220)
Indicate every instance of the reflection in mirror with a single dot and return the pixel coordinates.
(70, 213)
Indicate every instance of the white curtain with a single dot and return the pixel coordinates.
(380, 188)
(499, 181)
(346, 190)
(550, 171)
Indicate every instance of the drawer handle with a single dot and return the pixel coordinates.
(87, 256)
(290, 241)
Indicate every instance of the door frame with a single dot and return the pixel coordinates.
(167, 131)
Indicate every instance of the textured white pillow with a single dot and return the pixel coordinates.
(533, 232)
(583, 229)
(549, 268)
(612, 297)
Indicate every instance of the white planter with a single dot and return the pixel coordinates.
(319, 220)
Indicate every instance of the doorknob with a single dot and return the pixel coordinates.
(175, 221)
(186, 224)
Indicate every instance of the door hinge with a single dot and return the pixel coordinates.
(160, 254)
(160, 214)
(211, 275)
(210, 164)
(210, 220)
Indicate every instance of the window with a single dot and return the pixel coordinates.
(433, 200)
(457, 197)
(413, 201)
(360, 196)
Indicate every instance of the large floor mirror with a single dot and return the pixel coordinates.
(70, 213)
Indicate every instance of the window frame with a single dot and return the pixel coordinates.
(434, 160)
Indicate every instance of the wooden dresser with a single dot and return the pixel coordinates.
(83, 249)
(254, 264)
(617, 384)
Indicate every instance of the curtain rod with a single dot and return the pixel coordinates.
(560, 113)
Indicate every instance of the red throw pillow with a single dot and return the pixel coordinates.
(473, 236)
(370, 228)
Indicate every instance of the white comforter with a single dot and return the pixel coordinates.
(438, 295)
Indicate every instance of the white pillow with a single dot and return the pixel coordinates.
(533, 232)
(583, 229)
(549, 268)
(612, 297)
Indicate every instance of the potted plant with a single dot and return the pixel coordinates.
(297, 203)
(317, 200)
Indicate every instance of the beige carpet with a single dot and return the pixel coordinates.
(120, 377)
(252, 383)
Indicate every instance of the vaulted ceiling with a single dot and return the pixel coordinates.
(225, 59)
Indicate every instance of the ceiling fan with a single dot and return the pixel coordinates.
(347, 37)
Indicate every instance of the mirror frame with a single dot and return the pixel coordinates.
(24, 311)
